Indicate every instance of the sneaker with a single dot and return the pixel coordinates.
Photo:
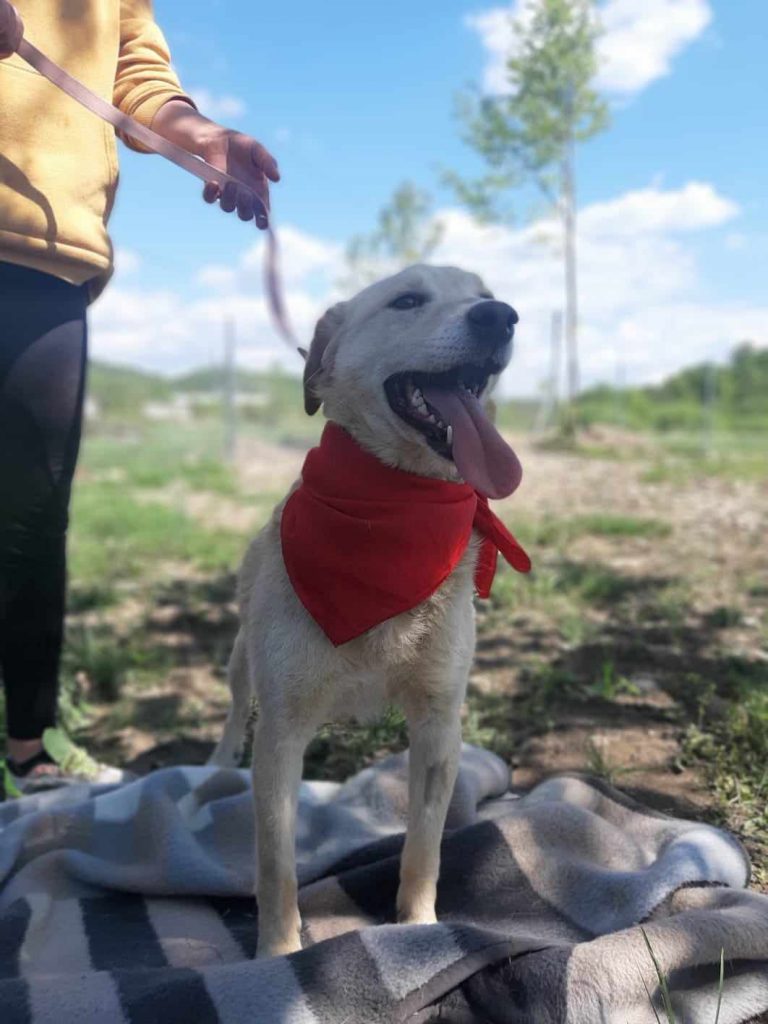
(60, 763)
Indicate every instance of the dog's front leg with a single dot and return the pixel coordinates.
(435, 736)
(277, 765)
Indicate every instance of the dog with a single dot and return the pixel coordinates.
(402, 371)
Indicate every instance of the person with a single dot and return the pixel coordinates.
(58, 175)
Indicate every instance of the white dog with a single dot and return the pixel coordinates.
(403, 368)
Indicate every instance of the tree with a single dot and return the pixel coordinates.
(531, 133)
(406, 233)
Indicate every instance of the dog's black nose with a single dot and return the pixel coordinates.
(492, 322)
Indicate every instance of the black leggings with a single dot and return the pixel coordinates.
(42, 377)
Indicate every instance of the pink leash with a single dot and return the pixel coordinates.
(188, 161)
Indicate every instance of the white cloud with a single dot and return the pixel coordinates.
(218, 107)
(642, 38)
(302, 256)
(171, 332)
(651, 210)
(220, 278)
(639, 42)
(127, 261)
(639, 293)
(637, 276)
(496, 30)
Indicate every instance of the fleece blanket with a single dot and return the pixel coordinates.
(132, 905)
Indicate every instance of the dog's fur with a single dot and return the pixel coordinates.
(419, 660)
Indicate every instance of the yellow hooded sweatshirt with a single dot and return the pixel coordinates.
(58, 161)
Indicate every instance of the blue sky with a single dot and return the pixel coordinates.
(352, 98)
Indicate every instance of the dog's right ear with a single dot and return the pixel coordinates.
(327, 326)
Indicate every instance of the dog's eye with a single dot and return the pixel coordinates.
(408, 301)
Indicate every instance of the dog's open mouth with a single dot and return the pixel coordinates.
(446, 409)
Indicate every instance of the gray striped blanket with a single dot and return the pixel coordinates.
(132, 905)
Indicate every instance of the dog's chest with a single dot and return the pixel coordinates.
(410, 651)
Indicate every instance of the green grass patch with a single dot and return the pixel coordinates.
(338, 751)
(115, 538)
(730, 739)
(563, 586)
(552, 532)
(741, 466)
(619, 526)
(107, 661)
(154, 455)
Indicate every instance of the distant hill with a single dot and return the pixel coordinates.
(119, 390)
(212, 378)
(735, 396)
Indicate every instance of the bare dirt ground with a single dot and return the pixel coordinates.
(613, 658)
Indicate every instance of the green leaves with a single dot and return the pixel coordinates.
(526, 134)
(406, 233)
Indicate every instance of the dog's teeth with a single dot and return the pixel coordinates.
(449, 435)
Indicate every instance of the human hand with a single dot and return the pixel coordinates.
(248, 161)
(227, 150)
(11, 29)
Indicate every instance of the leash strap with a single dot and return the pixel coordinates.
(176, 154)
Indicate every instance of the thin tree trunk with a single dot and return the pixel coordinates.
(229, 390)
(550, 402)
(571, 286)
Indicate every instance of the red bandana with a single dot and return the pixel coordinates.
(363, 542)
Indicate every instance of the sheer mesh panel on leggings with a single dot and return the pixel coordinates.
(42, 371)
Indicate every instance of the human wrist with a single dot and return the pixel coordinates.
(180, 122)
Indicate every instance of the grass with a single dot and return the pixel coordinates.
(116, 538)
(150, 455)
(597, 763)
(563, 581)
(666, 995)
(730, 742)
(552, 532)
(610, 684)
(104, 661)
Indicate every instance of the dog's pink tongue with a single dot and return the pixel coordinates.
(482, 456)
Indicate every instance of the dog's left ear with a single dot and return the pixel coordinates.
(327, 326)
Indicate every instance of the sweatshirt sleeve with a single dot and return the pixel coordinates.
(144, 80)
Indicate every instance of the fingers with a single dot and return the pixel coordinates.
(249, 205)
(228, 200)
(265, 162)
(11, 30)
(252, 165)
(244, 204)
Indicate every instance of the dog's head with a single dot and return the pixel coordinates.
(406, 367)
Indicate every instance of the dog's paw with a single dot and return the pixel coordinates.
(422, 918)
(416, 914)
(278, 947)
